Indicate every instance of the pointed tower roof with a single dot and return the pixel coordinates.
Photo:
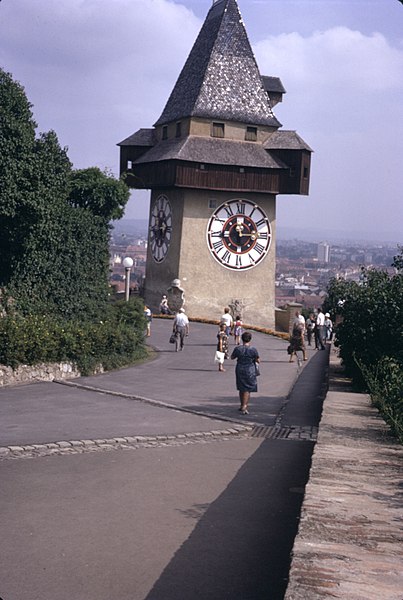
(220, 79)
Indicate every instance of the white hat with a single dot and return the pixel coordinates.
(181, 310)
(327, 315)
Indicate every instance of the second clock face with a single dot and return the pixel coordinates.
(160, 227)
(239, 234)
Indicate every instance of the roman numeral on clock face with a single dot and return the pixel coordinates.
(160, 227)
(239, 234)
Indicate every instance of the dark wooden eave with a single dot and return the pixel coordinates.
(211, 151)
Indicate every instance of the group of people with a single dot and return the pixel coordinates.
(228, 326)
(247, 356)
(317, 327)
(232, 327)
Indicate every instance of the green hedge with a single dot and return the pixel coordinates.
(114, 341)
(369, 335)
(385, 385)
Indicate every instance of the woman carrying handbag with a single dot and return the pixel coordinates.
(246, 370)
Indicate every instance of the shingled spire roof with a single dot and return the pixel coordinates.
(220, 79)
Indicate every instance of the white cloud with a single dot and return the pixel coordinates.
(95, 70)
(337, 78)
(345, 97)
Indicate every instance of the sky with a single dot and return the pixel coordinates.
(95, 71)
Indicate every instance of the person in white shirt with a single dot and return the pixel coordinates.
(328, 328)
(164, 308)
(180, 328)
(299, 319)
(228, 321)
(320, 330)
(149, 317)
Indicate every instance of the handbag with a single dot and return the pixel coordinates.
(289, 350)
(257, 369)
(172, 339)
(219, 357)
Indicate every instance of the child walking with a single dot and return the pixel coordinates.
(238, 330)
(222, 345)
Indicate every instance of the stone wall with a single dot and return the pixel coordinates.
(40, 372)
(285, 317)
(350, 540)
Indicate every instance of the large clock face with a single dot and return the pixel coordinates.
(239, 234)
(160, 227)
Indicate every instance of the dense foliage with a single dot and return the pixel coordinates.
(99, 192)
(114, 342)
(370, 335)
(54, 255)
(54, 251)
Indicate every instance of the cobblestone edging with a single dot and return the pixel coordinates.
(119, 443)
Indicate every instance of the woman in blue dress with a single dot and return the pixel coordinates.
(245, 370)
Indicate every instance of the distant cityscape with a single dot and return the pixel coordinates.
(303, 268)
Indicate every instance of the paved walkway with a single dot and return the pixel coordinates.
(147, 484)
(140, 400)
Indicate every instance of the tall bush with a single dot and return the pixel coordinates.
(114, 341)
(54, 221)
(370, 336)
(371, 316)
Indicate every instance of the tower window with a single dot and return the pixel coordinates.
(217, 130)
(306, 172)
(165, 132)
(251, 134)
(178, 129)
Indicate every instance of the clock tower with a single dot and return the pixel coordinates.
(215, 161)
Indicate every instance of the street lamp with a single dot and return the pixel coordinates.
(127, 263)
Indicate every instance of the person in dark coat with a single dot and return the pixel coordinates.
(245, 370)
(297, 342)
(310, 328)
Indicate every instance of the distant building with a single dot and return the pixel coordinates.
(323, 252)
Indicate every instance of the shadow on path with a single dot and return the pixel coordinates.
(240, 549)
(304, 404)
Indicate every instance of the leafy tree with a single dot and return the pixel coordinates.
(372, 318)
(17, 143)
(65, 269)
(398, 259)
(99, 192)
(371, 315)
(54, 222)
(370, 336)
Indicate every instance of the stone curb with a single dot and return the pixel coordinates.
(118, 443)
(350, 541)
(158, 403)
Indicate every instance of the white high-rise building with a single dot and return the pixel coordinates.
(323, 252)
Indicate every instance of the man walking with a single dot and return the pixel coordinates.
(180, 328)
(228, 321)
